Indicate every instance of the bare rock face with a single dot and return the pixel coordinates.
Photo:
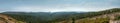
(2, 20)
(113, 17)
(6, 19)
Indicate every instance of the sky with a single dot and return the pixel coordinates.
(57, 5)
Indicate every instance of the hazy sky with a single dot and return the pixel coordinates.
(57, 5)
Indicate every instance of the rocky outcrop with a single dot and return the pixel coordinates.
(113, 18)
(8, 19)
(109, 17)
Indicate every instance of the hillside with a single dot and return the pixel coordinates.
(95, 17)
(106, 18)
(66, 17)
(8, 19)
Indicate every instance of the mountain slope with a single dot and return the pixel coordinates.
(8, 19)
(62, 17)
(96, 17)
(89, 17)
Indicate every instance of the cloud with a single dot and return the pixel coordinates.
(56, 9)
(30, 9)
(61, 5)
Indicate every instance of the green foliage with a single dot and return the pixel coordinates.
(25, 18)
(117, 17)
(92, 14)
(97, 20)
(20, 22)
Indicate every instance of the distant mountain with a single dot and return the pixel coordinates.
(43, 16)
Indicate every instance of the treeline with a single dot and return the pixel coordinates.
(92, 14)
